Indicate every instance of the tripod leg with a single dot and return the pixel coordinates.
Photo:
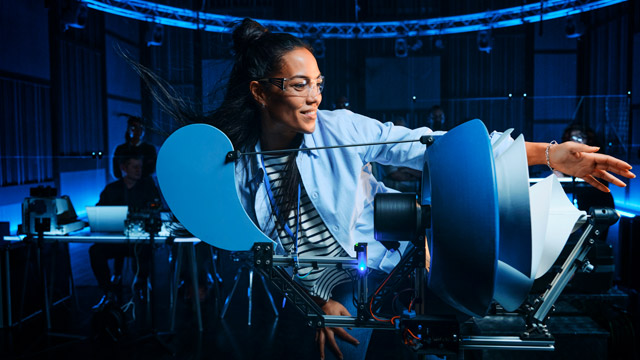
(217, 279)
(45, 287)
(176, 279)
(194, 283)
(233, 289)
(266, 289)
(250, 292)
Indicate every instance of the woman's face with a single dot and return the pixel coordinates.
(293, 110)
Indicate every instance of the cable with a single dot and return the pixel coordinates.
(374, 295)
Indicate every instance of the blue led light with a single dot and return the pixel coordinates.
(626, 214)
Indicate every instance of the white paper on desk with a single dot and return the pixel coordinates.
(553, 217)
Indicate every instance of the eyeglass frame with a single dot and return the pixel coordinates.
(279, 82)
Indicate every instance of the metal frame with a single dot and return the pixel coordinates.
(537, 313)
(520, 15)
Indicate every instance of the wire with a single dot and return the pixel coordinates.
(410, 333)
(267, 152)
(374, 295)
(411, 304)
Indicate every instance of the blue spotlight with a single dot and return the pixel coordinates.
(626, 214)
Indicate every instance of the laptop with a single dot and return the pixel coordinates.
(107, 218)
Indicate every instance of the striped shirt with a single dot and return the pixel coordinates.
(314, 239)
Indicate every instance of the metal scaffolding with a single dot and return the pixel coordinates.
(514, 16)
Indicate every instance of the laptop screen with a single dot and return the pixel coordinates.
(107, 218)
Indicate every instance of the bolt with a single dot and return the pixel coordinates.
(267, 262)
(361, 306)
(591, 241)
(267, 247)
(319, 323)
(309, 324)
(597, 232)
(258, 261)
(258, 247)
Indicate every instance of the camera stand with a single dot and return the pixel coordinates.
(152, 226)
(42, 225)
(236, 280)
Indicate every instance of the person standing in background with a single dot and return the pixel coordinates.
(133, 143)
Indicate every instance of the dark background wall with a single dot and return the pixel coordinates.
(62, 90)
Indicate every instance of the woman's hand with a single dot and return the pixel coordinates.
(581, 161)
(327, 335)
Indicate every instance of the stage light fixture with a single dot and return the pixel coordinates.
(155, 35)
(319, 48)
(401, 48)
(438, 43)
(74, 15)
(485, 41)
(573, 29)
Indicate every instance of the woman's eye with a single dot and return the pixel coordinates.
(299, 86)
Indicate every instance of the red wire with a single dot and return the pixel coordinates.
(415, 337)
(371, 302)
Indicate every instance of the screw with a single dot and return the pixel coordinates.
(309, 324)
(591, 241)
(597, 232)
(258, 261)
(258, 248)
(267, 247)
(319, 323)
(267, 262)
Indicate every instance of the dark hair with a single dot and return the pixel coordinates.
(258, 54)
(591, 138)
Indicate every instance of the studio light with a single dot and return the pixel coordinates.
(319, 48)
(402, 50)
(573, 28)
(485, 41)
(155, 35)
(438, 43)
(74, 15)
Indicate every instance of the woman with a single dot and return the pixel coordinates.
(319, 202)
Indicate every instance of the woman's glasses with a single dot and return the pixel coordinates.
(298, 86)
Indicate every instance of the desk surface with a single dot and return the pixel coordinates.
(86, 236)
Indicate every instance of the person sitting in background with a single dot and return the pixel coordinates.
(137, 192)
(342, 103)
(586, 196)
(401, 178)
(436, 118)
(133, 142)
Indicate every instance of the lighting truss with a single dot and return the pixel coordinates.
(525, 14)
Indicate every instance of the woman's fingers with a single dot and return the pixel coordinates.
(333, 345)
(595, 183)
(320, 336)
(601, 174)
(344, 335)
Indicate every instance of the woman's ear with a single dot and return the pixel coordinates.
(258, 93)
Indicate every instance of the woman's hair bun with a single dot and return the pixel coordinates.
(246, 33)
